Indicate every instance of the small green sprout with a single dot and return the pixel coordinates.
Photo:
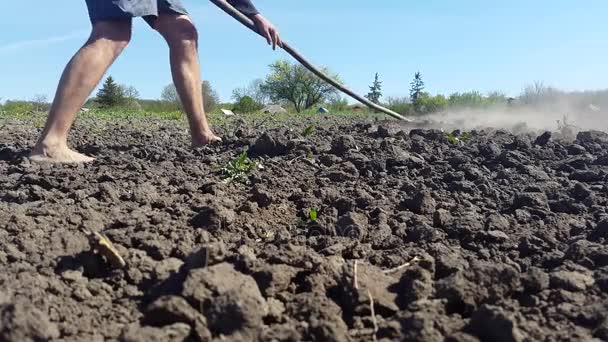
(451, 138)
(312, 215)
(309, 155)
(238, 169)
(308, 130)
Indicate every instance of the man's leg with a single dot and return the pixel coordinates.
(81, 75)
(182, 38)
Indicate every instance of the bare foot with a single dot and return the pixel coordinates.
(58, 154)
(205, 139)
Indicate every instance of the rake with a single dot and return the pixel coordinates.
(233, 12)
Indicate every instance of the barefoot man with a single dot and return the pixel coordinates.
(111, 31)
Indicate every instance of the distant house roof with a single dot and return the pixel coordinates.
(274, 109)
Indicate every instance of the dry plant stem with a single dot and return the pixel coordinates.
(373, 311)
(398, 268)
(355, 280)
(295, 159)
(226, 7)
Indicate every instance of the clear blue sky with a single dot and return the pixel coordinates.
(457, 45)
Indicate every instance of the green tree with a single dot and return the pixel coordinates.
(416, 88)
(131, 97)
(375, 91)
(295, 84)
(496, 98)
(129, 92)
(40, 102)
(247, 104)
(253, 90)
(431, 104)
(470, 99)
(400, 105)
(210, 97)
(337, 103)
(169, 94)
(110, 94)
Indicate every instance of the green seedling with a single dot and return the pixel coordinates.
(466, 137)
(463, 138)
(312, 215)
(238, 169)
(451, 138)
(309, 155)
(308, 130)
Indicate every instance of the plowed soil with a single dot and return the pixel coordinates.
(418, 236)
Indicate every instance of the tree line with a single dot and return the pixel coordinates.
(297, 89)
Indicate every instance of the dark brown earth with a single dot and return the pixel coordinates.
(507, 235)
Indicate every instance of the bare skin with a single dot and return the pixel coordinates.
(81, 75)
(89, 64)
(182, 38)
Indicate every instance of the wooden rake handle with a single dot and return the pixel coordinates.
(233, 12)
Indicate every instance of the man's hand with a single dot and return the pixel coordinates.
(268, 30)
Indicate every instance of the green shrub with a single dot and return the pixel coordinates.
(400, 105)
(247, 105)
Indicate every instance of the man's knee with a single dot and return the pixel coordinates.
(179, 32)
(117, 34)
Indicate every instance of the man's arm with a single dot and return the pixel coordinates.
(244, 6)
(264, 26)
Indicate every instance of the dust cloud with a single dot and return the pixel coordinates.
(522, 119)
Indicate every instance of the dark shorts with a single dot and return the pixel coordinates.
(126, 9)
